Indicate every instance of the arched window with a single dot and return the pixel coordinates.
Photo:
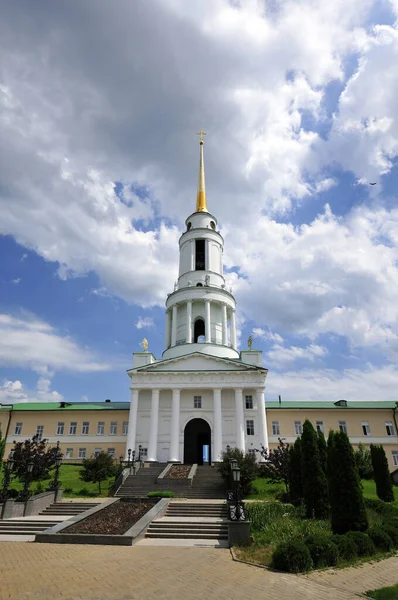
(189, 226)
(199, 285)
(199, 331)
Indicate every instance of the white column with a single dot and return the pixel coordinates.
(240, 425)
(153, 432)
(262, 421)
(217, 419)
(192, 255)
(207, 321)
(175, 428)
(224, 324)
(174, 326)
(167, 334)
(189, 322)
(233, 329)
(130, 443)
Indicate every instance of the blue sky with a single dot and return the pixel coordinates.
(98, 170)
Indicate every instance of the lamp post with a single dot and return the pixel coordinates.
(28, 476)
(235, 504)
(8, 467)
(58, 461)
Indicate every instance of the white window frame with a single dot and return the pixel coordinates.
(72, 428)
(320, 426)
(82, 452)
(343, 427)
(18, 428)
(276, 428)
(197, 401)
(111, 452)
(366, 428)
(394, 457)
(97, 451)
(251, 451)
(250, 427)
(113, 428)
(101, 428)
(40, 431)
(389, 428)
(298, 427)
(69, 453)
(60, 427)
(249, 402)
(125, 427)
(85, 427)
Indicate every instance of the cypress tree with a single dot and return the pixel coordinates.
(294, 473)
(381, 473)
(323, 451)
(315, 490)
(345, 491)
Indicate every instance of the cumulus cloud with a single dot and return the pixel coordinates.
(12, 392)
(268, 336)
(144, 323)
(281, 355)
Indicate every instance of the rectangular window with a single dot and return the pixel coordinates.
(144, 452)
(298, 427)
(395, 458)
(60, 428)
(69, 453)
(249, 402)
(100, 428)
(200, 262)
(276, 430)
(39, 432)
(365, 428)
(85, 427)
(97, 451)
(18, 429)
(113, 428)
(389, 428)
(319, 426)
(111, 452)
(82, 453)
(72, 428)
(343, 426)
(250, 427)
(251, 451)
(197, 401)
(125, 427)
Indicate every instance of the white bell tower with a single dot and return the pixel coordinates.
(200, 313)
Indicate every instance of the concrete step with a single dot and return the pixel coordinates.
(189, 535)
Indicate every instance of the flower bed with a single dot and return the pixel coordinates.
(114, 520)
(179, 472)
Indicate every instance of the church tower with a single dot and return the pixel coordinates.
(200, 313)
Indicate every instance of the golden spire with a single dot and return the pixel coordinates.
(201, 197)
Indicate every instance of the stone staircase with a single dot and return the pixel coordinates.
(67, 508)
(142, 482)
(191, 520)
(25, 526)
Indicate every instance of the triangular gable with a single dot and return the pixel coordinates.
(198, 362)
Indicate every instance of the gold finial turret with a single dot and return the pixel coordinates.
(201, 197)
(144, 344)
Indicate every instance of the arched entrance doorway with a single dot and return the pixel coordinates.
(197, 435)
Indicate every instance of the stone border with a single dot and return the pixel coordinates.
(192, 472)
(54, 534)
(165, 471)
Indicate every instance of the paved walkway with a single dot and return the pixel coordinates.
(51, 572)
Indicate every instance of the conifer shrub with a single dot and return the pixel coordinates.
(292, 557)
(365, 546)
(382, 477)
(392, 532)
(323, 450)
(347, 506)
(294, 474)
(346, 545)
(315, 489)
(324, 552)
(380, 538)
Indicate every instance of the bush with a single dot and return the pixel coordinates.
(83, 492)
(365, 546)
(247, 465)
(292, 557)
(346, 545)
(364, 462)
(381, 472)
(324, 552)
(382, 508)
(380, 538)
(12, 493)
(392, 532)
(68, 490)
(160, 494)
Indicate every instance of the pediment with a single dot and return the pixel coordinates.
(198, 362)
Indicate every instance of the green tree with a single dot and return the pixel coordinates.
(315, 489)
(294, 473)
(37, 452)
(381, 472)
(323, 450)
(347, 506)
(2, 448)
(363, 461)
(98, 469)
(246, 463)
(275, 463)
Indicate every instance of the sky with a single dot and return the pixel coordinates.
(100, 103)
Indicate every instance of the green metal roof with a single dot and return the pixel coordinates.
(351, 404)
(68, 406)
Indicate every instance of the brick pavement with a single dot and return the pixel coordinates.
(73, 572)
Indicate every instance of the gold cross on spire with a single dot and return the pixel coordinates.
(201, 133)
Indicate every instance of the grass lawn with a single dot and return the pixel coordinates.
(387, 593)
(69, 478)
(369, 491)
